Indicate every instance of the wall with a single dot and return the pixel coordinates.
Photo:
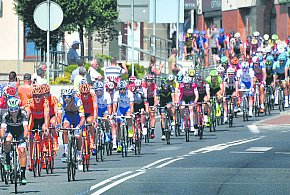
(235, 4)
(282, 21)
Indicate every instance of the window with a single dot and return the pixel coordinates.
(29, 47)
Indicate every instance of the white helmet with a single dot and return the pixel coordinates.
(266, 37)
(220, 69)
(230, 71)
(138, 82)
(256, 34)
(186, 80)
(110, 85)
(190, 31)
(171, 77)
(237, 35)
(245, 65)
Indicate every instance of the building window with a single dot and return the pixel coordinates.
(29, 47)
(273, 22)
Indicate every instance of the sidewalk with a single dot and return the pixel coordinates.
(282, 119)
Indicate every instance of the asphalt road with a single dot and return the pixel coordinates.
(250, 158)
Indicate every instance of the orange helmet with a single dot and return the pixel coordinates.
(37, 90)
(235, 61)
(84, 88)
(45, 88)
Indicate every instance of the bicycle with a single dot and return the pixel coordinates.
(213, 119)
(2, 161)
(219, 112)
(72, 162)
(186, 121)
(138, 130)
(268, 100)
(100, 139)
(281, 96)
(148, 124)
(86, 150)
(257, 99)
(167, 123)
(177, 121)
(49, 153)
(14, 173)
(37, 157)
(124, 134)
(199, 113)
(245, 104)
(230, 106)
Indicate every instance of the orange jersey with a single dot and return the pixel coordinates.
(89, 103)
(53, 105)
(38, 111)
(24, 92)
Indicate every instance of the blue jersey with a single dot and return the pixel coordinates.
(221, 39)
(278, 69)
(200, 42)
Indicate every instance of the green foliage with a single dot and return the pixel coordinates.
(139, 71)
(69, 69)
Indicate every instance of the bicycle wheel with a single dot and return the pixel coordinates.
(2, 170)
(177, 124)
(231, 118)
(51, 165)
(167, 130)
(34, 159)
(186, 129)
(47, 165)
(15, 172)
(69, 162)
(84, 153)
(74, 161)
(200, 131)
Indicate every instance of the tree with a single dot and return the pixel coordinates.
(83, 16)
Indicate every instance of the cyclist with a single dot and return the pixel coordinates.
(150, 91)
(247, 47)
(221, 40)
(15, 125)
(269, 70)
(72, 109)
(165, 93)
(230, 88)
(245, 77)
(24, 91)
(224, 62)
(237, 46)
(104, 106)
(188, 95)
(123, 105)
(90, 105)
(235, 64)
(260, 73)
(110, 88)
(37, 110)
(203, 95)
(280, 69)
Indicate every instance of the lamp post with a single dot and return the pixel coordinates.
(132, 29)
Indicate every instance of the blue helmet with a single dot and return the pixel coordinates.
(122, 85)
(282, 57)
(196, 32)
(67, 92)
(221, 30)
(270, 58)
(202, 32)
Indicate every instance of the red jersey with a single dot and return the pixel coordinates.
(37, 110)
(89, 103)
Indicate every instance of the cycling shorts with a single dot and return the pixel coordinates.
(102, 111)
(123, 111)
(73, 119)
(151, 101)
(139, 107)
(17, 133)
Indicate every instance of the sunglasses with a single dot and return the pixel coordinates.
(67, 96)
(37, 96)
(122, 89)
(13, 109)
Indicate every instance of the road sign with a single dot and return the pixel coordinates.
(45, 9)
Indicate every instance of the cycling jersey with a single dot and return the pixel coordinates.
(15, 128)
(139, 99)
(202, 87)
(53, 103)
(236, 47)
(214, 88)
(38, 111)
(123, 101)
(221, 40)
(200, 41)
(150, 92)
(89, 102)
(278, 69)
(188, 94)
(230, 84)
(245, 78)
(24, 92)
(165, 95)
(247, 45)
(258, 70)
(103, 102)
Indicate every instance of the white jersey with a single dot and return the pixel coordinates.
(123, 100)
(245, 77)
(104, 101)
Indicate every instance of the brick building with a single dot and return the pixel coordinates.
(246, 16)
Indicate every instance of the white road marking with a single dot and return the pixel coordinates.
(167, 163)
(288, 153)
(156, 162)
(223, 146)
(109, 180)
(246, 152)
(258, 149)
(253, 128)
(104, 189)
(285, 131)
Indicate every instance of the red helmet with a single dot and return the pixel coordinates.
(149, 77)
(132, 87)
(132, 78)
(117, 80)
(10, 91)
(235, 61)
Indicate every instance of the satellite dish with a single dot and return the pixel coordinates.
(45, 9)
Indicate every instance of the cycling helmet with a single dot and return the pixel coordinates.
(10, 91)
(191, 72)
(266, 37)
(256, 34)
(149, 77)
(190, 31)
(122, 85)
(231, 71)
(249, 37)
(36, 90)
(213, 73)
(237, 35)
(111, 78)
(83, 81)
(164, 83)
(67, 92)
(202, 32)
(255, 59)
(84, 88)
(235, 61)
(179, 78)
(224, 60)
(132, 78)
(220, 69)
(196, 32)
(245, 65)
(186, 80)
(45, 88)
(110, 85)
(13, 104)
(117, 80)
(171, 77)
(274, 37)
(270, 58)
(132, 87)
(221, 30)
(138, 82)
(282, 57)
(267, 50)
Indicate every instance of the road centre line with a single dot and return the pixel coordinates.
(223, 146)
(109, 180)
(104, 189)
(154, 163)
(167, 163)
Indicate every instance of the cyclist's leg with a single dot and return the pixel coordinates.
(22, 159)
(53, 123)
(7, 149)
(162, 123)
(90, 120)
